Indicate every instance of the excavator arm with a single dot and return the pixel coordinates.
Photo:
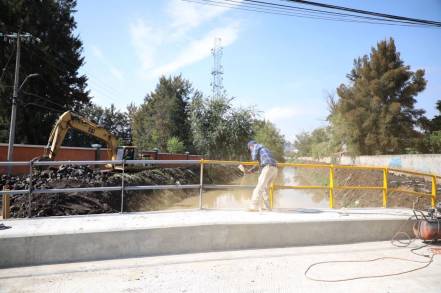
(71, 120)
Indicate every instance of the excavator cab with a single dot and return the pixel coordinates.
(127, 153)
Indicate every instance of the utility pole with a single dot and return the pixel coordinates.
(14, 104)
(18, 36)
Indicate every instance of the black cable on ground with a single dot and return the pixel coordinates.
(393, 241)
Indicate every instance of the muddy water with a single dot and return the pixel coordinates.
(239, 198)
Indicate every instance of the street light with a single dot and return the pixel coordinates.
(14, 115)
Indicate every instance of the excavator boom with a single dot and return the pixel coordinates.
(71, 120)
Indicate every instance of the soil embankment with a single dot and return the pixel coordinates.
(78, 203)
(369, 198)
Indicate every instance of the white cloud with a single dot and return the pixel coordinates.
(179, 42)
(199, 49)
(187, 15)
(114, 71)
(278, 114)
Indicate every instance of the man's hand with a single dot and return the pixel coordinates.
(242, 168)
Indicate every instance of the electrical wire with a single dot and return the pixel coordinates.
(366, 12)
(319, 12)
(426, 264)
(288, 10)
(393, 242)
(104, 90)
(6, 65)
(300, 15)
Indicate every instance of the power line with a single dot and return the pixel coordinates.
(317, 11)
(64, 67)
(302, 12)
(6, 65)
(359, 11)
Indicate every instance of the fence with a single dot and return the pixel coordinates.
(331, 187)
(23, 152)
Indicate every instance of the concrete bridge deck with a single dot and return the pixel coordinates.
(262, 270)
(97, 237)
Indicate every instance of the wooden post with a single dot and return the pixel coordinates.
(6, 212)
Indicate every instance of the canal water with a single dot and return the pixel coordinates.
(239, 198)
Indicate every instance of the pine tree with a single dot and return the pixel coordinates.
(375, 112)
(164, 114)
(57, 58)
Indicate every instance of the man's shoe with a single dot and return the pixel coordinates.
(252, 209)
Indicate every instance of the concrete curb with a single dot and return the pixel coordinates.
(72, 247)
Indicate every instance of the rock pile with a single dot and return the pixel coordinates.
(68, 176)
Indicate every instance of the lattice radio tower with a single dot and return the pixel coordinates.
(218, 71)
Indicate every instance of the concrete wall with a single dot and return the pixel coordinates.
(72, 247)
(427, 163)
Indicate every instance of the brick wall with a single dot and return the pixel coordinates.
(28, 152)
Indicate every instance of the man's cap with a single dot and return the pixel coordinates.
(251, 142)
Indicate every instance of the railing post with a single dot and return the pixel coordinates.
(385, 186)
(331, 186)
(30, 189)
(201, 182)
(122, 186)
(5, 204)
(433, 191)
(271, 195)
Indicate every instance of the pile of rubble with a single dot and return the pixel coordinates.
(59, 204)
(77, 203)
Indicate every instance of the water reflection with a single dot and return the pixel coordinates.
(239, 198)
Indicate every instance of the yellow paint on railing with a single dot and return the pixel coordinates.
(300, 187)
(385, 186)
(409, 191)
(331, 186)
(271, 195)
(359, 187)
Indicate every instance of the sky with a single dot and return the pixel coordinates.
(282, 66)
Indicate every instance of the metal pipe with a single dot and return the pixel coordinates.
(30, 190)
(331, 186)
(222, 186)
(161, 187)
(57, 163)
(81, 189)
(433, 191)
(14, 192)
(17, 163)
(385, 186)
(122, 186)
(201, 183)
(163, 162)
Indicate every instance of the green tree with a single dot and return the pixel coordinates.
(268, 135)
(175, 146)
(57, 58)
(164, 114)
(219, 130)
(315, 144)
(375, 112)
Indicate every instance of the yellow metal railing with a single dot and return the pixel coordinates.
(331, 183)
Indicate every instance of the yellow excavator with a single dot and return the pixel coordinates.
(69, 120)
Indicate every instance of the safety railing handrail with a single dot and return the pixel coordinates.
(331, 187)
